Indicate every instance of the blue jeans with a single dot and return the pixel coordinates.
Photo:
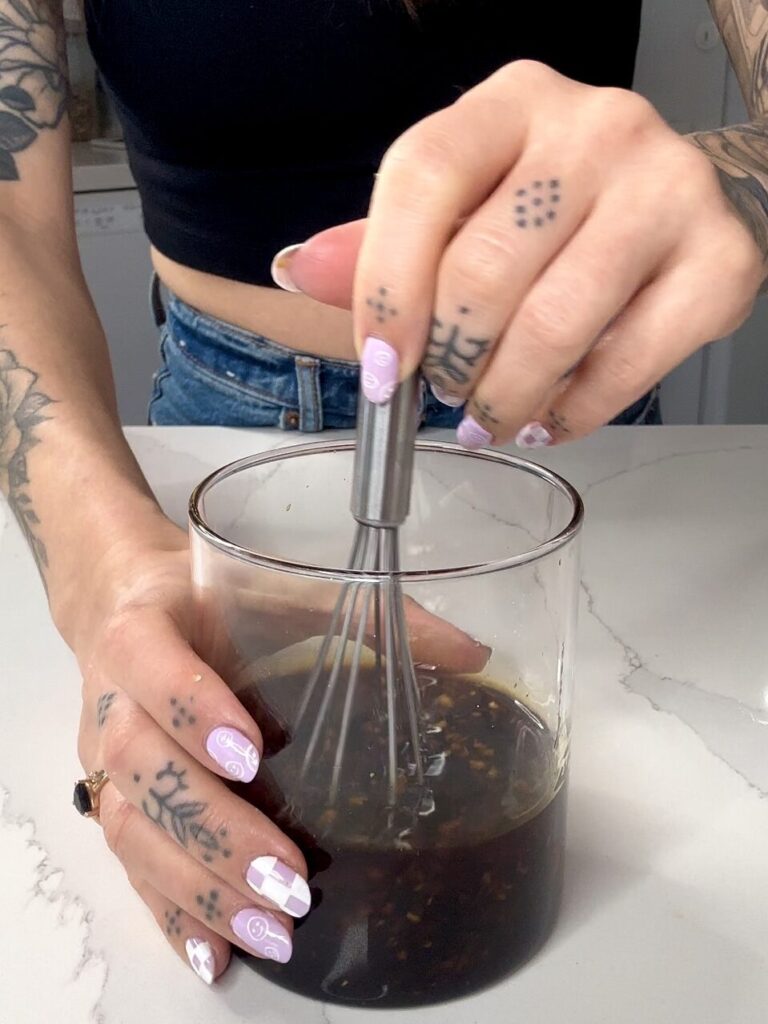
(213, 373)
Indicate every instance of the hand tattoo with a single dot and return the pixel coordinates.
(536, 205)
(381, 306)
(21, 410)
(172, 926)
(180, 818)
(102, 707)
(740, 153)
(33, 86)
(208, 904)
(452, 354)
(180, 714)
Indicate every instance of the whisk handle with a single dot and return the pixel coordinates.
(386, 435)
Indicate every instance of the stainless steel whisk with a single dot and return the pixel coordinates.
(371, 613)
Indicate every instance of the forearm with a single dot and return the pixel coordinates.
(740, 152)
(65, 468)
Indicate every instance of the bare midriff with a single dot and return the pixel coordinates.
(295, 321)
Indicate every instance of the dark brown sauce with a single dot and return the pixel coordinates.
(445, 904)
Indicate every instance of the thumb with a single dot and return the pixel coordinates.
(324, 266)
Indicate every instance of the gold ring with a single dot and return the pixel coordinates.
(86, 794)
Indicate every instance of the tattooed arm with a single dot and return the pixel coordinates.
(740, 152)
(64, 466)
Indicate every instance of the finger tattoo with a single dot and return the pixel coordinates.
(536, 206)
(182, 817)
(452, 353)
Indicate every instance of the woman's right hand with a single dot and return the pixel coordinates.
(166, 728)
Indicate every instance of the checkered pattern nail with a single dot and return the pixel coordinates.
(274, 880)
(200, 956)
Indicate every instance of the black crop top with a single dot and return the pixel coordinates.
(252, 124)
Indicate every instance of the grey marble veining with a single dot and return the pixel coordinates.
(666, 907)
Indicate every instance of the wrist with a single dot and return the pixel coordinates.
(129, 533)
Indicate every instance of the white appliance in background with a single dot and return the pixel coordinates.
(115, 256)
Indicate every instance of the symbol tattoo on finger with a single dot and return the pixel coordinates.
(182, 818)
(484, 413)
(539, 210)
(105, 702)
(558, 422)
(452, 353)
(381, 306)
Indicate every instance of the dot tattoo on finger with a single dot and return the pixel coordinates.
(539, 210)
(172, 925)
(209, 904)
(180, 714)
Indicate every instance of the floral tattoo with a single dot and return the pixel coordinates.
(22, 408)
(33, 84)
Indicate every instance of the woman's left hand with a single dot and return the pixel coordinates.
(546, 251)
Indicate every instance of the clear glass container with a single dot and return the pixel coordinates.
(413, 902)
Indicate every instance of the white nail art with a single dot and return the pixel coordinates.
(533, 435)
(200, 956)
(271, 878)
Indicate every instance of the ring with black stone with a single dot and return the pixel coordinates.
(86, 794)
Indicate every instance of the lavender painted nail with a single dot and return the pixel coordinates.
(533, 435)
(379, 371)
(262, 933)
(452, 401)
(234, 752)
(269, 877)
(200, 956)
(471, 434)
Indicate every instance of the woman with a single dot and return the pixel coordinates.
(546, 250)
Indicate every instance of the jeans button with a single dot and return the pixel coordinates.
(292, 420)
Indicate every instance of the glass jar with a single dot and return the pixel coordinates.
(414, 902)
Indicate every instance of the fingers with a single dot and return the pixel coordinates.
(639, 348)
(193, 888)
(195, 811)
(560, 317)
(434, 174)
(492, 263)
(147, 657)
(433, 641)
(193, 941)
(324, 266)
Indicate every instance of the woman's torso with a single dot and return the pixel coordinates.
(252, 124)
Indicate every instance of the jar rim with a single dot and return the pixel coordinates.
(280, 453)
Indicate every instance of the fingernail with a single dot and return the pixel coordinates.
(281, 268)
(269, 877)
(380, 370)
(200, 956)
(487, 651)
(442, 396)
(471, 434)
(234, 752)
(263, 933)
(533, 435)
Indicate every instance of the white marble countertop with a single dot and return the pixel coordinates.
(666, 910)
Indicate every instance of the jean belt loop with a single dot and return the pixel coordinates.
(310, 397)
